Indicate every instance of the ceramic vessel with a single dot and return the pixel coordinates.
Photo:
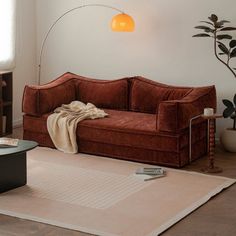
(228, 140)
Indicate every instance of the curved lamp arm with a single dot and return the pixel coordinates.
(57, 20)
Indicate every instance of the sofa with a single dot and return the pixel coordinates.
(148, 121)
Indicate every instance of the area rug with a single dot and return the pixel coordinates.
(102, 196)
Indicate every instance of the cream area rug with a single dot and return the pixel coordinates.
(102, 196)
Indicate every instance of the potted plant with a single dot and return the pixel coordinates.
(216, 29)
(228, 136)
(224, 50)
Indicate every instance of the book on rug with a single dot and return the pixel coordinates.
(150, 170)
(149, 173)
(8, 142)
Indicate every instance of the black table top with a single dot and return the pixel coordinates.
(23, 146)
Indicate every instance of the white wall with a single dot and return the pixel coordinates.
(161, 48)
(25, 70)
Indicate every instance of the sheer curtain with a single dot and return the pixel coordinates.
(7, 34)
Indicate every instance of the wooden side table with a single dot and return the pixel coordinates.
(211, 168)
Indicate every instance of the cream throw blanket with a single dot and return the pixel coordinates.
(63, 122)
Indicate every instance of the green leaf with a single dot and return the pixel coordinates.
(232, 43)
(223, 21)
(209, 30)
(218, 25)
(228, 103)
(223, 48)
(207, 22)
(228, 112)
(220, 43)
(203, 27)
(201, 35)
(213, 18)
(234, 99)
(233, 53)
(228, 29)
(223, 36)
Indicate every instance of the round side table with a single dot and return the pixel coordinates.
(211, 168)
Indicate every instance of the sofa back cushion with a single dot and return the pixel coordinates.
(41, 99)
(146, 95)
(104, 94)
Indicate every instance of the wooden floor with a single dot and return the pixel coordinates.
(215, 218)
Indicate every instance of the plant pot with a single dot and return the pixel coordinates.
(228, 140)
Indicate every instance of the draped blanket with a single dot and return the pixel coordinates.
(63, 122)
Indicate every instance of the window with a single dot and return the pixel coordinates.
(7, 34)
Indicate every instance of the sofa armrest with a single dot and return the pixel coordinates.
(174, 115)
(41, 99)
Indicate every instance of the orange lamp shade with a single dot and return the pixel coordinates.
(122, 23)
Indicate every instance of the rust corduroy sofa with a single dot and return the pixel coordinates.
(148, 121)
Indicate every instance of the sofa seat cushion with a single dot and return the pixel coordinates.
(124, 128)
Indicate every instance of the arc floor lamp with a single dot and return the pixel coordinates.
(120, 23)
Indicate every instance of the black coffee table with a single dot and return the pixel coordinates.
(13, 171)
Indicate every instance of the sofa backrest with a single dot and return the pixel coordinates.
(146, 95)
(136, 94)
(41, 99)
(110, 94)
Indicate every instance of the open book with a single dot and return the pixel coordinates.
(8, 142)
